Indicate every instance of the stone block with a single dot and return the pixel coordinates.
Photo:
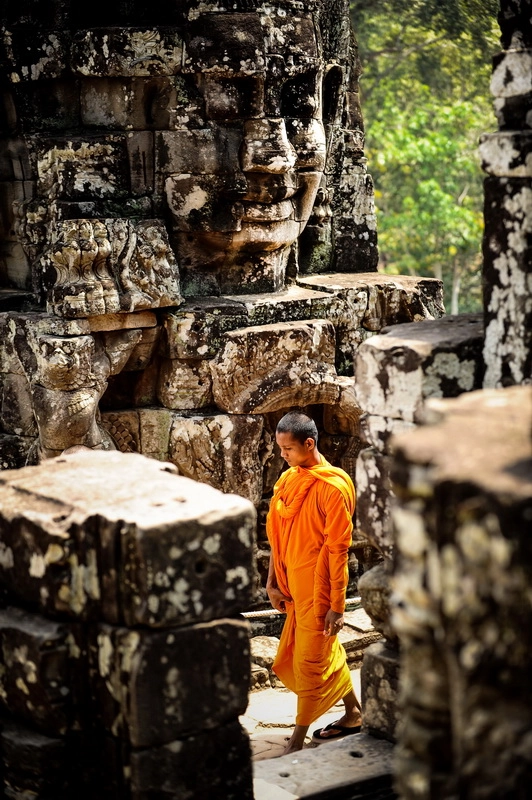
(214, 765)
(184, 384)
(459, 587)
(375, 590)
(88, 167)
(99, 268)
(360, 766)
(96, 521)
(17, 415)
(42, 675)
(369, 301)
(507, 301)
(154, 427)
(197, 329)
(27, 59)
(379, 681)
(222, 450)
(512, 72)
(264, 650)
(376, 431)
(15, 451)
(141, 164)
(294, 303)
(129, 103)
(129, 52)
(343, 417)
(152, 687)
(507, 154)
(399, 369)
(56, 108)
(263, 368)
(39, 766)
(374, 499)
(208, 151)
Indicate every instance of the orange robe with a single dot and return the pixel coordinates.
(309, 527)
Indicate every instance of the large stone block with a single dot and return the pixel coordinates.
(152, 687)
(28, 60)
(215, 765)
(42, 674)
(129, 104)
(507, 154)
(223, 450)
(507, 299)
(397, 370)
(370, 301)
(295, 303)
(374, 498)
(197, 329)
(84, 167)
(34, 765)
(344, 416)
(379, 681)
(263, 368)
(184, 384)
(463, 571)
(118, 537)
(115, 52)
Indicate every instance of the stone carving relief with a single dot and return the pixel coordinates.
(109, 266)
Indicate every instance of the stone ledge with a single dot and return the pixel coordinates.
(359, 766)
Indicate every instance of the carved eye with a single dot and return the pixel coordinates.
(300, 96)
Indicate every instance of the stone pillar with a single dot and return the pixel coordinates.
(461, 598)
(396, 372)
(508, 205)
(124, 664)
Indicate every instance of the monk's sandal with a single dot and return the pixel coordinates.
(317, 736)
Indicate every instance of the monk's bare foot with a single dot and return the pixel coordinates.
(292, 747)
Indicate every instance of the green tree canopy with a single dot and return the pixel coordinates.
(425, 96)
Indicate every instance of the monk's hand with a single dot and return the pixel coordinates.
(278, 599)
(333, 624)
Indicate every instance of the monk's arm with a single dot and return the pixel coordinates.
(277, 598)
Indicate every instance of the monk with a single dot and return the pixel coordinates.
(309, 527)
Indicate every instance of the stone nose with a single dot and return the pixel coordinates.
(266, 147)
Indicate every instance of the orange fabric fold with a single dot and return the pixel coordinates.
(309, 528)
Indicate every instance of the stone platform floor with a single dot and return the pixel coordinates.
(270, 717)
(269, 720)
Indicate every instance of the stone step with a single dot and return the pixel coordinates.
(358, 766)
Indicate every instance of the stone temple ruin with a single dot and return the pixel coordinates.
(188, 250)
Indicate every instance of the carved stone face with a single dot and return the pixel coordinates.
(248, 177)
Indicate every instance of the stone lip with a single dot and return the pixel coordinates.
(162, 498)
(121, 537)
(483, 438)
(327, 771)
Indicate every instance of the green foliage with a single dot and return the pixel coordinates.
(425, 95)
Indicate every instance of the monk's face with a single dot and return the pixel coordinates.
(294, 452)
